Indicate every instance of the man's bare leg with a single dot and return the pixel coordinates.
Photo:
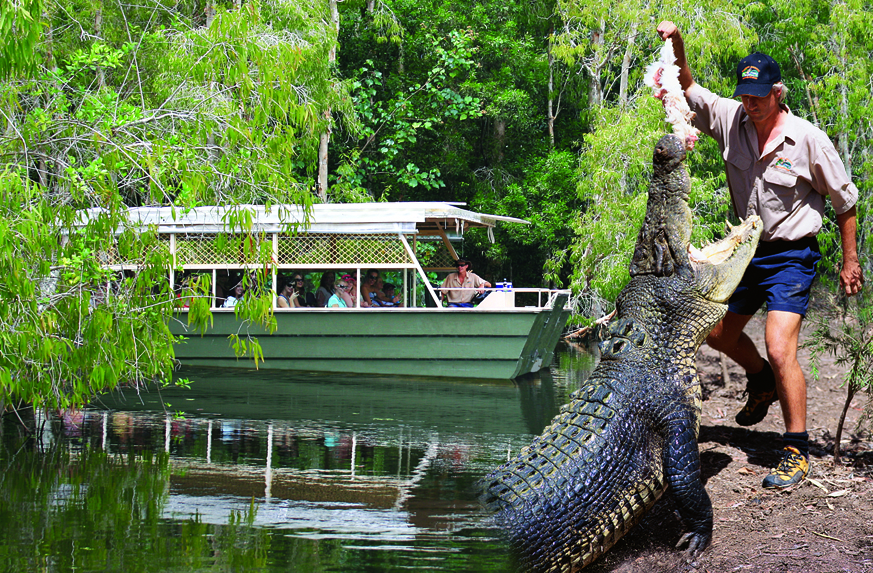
(782, 334)
(728, 337)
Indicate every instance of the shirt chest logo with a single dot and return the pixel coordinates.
(783, 164)
(750, 73)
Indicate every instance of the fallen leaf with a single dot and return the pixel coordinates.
(827, 536)
(745, 472)
(817, 484)
(839, 493)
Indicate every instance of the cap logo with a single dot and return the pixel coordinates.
(783, 164)
(750, 73)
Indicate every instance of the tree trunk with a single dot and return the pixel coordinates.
(210, 138)
(595, 91)
(499, 139)
(839, 436)
(843, 137)
(725, 373)
(324, 139)
(551, 113)
(625, 66)
(807, 81)
(98, 31)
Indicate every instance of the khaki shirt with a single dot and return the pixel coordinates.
(471, 281)
(786, 185)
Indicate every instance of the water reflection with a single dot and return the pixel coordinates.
(270, 471)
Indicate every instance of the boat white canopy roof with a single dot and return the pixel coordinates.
(369, 218)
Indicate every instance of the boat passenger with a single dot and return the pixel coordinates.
(304, 298)
(287, 297)
(386, 294)
(353, 289)
(388, 290)
(236, 294)
(341, 298)
(371, 291)
(463, 279)
(325, 288)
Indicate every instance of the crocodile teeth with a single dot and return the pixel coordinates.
(720, 251)
(695, 254)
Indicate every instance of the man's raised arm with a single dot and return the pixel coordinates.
(668, 29)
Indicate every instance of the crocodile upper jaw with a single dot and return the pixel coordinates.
(719, 266)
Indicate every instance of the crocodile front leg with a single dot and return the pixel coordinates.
(682, 474)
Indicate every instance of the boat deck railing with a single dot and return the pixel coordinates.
(515, 297)
(497, 299)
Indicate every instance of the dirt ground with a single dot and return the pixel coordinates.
(823, 525)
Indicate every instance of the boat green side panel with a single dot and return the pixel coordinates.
(363, 347)
(498, 370)
(462, 344)
(539, 350)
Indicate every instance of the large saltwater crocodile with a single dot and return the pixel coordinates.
(630, 431)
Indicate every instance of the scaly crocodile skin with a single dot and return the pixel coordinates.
(630, 431)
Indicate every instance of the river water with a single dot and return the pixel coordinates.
(272, 471)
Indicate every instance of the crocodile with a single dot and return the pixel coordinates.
(629, 433)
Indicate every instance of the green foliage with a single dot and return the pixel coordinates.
(68, 326)
(845, 331)
(391, 127)
(546, 198)
(19, 33)
(616, 166)
(140, 105)
(113, 105)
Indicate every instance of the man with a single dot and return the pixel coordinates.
(463, 279)
(779, 167)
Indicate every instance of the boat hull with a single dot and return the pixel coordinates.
(422, 342)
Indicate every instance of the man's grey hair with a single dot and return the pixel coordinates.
(781, 92)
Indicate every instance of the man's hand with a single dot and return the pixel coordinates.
(667, 29)
(851, 277)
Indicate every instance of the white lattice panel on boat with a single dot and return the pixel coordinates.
(335, 249)
(136, 257)
(432, 253)
(220, 250)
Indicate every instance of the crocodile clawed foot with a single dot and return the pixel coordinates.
(696, 542)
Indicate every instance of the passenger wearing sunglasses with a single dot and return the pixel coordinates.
(304, 298)
(341, 298)
(287, 297)
(371, 291)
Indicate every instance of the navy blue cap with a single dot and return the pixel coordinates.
(756, 74)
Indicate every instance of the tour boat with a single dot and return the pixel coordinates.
(512, 332)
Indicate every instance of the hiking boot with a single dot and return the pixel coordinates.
(761, 390)
(790, 471)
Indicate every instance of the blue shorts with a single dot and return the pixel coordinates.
(781, 275)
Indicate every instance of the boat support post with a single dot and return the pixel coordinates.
(420, 270)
